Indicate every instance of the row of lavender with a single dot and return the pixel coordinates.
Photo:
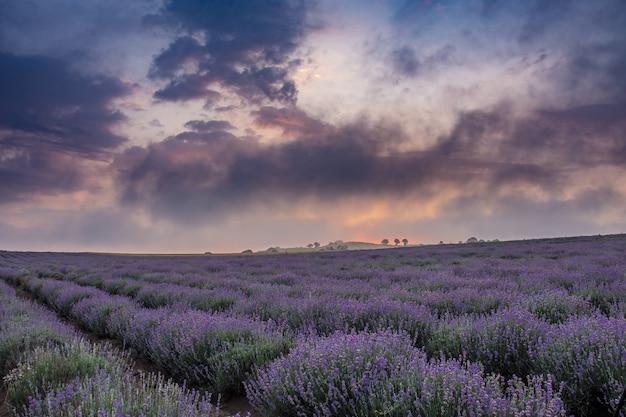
(529, 308)
(48, 369)
(553, 279)
(354, 374)
(213, 351)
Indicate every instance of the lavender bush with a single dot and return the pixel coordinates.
(588, 355)
(368, 374)
(53, 366)
(95, 312)
(502, 342)
(557, 306)
(110, 395)
(24, 326)
(211, 350)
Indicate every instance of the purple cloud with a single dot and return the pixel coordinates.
(49, 115)
(245, 47)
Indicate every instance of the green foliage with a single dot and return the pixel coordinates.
(383, 375)
(132, 290)
(221, 359)
(107, 394)
(557, 306)
(23, 328)
(217, 303)
(588, 356)
(502, 343)
(14, 346)
(54, 366)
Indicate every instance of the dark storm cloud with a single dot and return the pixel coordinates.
(207, 176)
(185, 50)
(48, 113)
(27, 171)
(471, 131)
(44, 96)
(205, 136)
(209, 125)
(206, 131)
(211, 170)
(188, 87)
(240, 45)
(578, 136)
(511, 150)
(594, 133)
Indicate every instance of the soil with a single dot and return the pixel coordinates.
(4, 406)
(238, 405)
(230, 407)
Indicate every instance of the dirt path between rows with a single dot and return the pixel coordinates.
(4, 406)
(228, 408)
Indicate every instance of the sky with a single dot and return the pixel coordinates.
(187, 126)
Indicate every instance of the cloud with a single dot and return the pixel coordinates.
(578, 136)
(52, 120)
(551, 141)
(596, 69)
(291, 120)
(540, 17)
(43, 96)
(99, 229)
(98, 36)
(213, 175)
(209, 125)
(588, 35)
(513, 217)
(210, 170)
(241, 46)
(188, 87)
(406, 62)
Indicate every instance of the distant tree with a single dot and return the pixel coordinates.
(316, 244)
(310, 245)
(396, 241)
(405, 241)
(385, 241)
(441, 242)
(472, 240)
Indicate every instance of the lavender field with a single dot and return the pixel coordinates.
(526, 328)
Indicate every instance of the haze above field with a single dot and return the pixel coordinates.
(196, 125)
